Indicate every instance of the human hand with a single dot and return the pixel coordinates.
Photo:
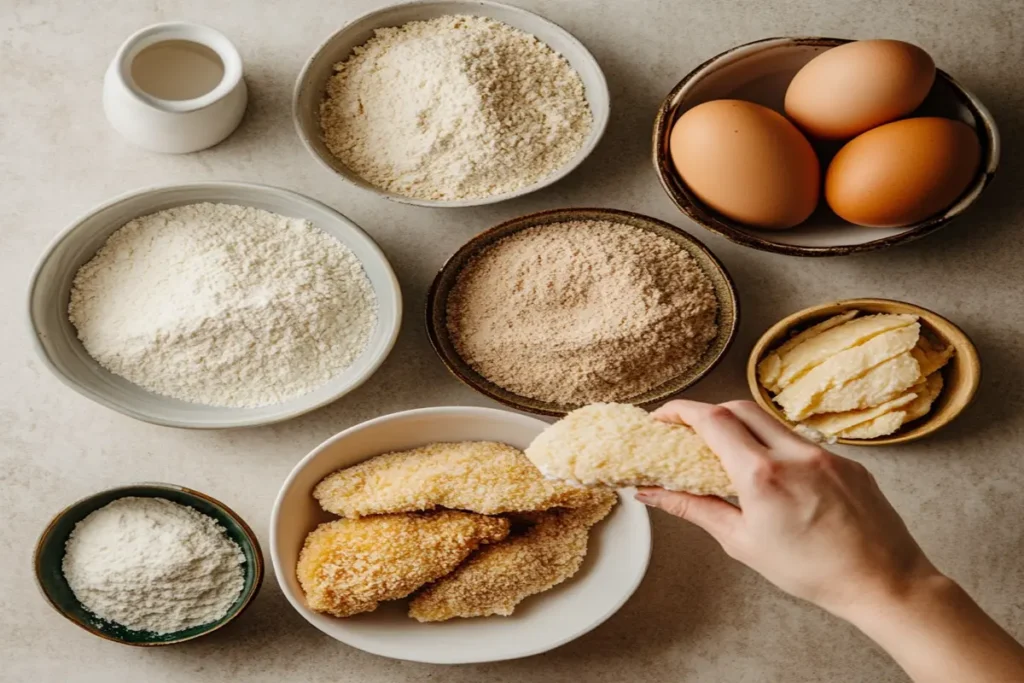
(813, 523)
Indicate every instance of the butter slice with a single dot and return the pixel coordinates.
(930, 357)
(835, 423)
(926, 392)
(808, 355)
(771, 366)
(799, 399)
(880, 426)
(881, 383)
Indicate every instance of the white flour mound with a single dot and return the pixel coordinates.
(153, 565)
(453, 108)
(223, 305)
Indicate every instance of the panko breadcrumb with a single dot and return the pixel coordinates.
(349, 566)
(479, 476)
(612, 444)
(497, 578)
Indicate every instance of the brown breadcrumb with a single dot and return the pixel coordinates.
(582, 311)
(479, 476)
(348, 566)
(497, 578)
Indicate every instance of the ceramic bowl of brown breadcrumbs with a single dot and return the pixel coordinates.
(555, 310)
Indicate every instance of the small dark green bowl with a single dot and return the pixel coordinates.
(49, 557)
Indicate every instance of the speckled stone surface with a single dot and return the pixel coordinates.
(698, 616)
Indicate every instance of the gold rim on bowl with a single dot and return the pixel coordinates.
(962, 375)
(437, 297)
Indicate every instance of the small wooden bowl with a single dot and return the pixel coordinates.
(961, 375)
(760, 72)
(437, 305)
(49, 559)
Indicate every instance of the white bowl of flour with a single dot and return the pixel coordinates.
(452, 103)
(178, 323)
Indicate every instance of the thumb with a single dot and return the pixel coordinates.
(710, 513)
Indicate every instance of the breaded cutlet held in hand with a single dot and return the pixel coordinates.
(498, 577)
(479, 476)
(349, 566)
(617, 445)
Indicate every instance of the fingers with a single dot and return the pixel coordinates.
(766, 428)
(711, 514)
(723, 432)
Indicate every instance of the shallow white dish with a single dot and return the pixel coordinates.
(309, 88)
(615, 564)
(61, 351)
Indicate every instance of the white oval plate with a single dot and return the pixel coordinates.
(616, 560)
(57, 341)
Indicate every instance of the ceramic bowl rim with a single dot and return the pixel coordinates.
(598, 128)
(988, 134)
(246, 600)
(483, 237)
(468, 412)
(200, 34)
(925, 428)
(393, 290)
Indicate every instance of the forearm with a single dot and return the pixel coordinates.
(937, 633)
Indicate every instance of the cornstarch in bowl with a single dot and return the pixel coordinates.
(150, 564)
(582, 311)
(223, 305)
(454, 108)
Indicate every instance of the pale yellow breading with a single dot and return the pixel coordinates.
(498, 577)
(831, 424)
(349, 566)
(926, 393)
(931, 357)
(478, 476)
(810, 354)
(770, 367)
(612, 444)
(799, 398)
(881, 383)
(883, 425)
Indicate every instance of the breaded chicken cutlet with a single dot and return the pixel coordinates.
(613, 444)
(349, 566)
(479, 476)
(498, 577)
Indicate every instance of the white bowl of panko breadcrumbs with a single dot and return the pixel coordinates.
(374, 98)
(376, 515)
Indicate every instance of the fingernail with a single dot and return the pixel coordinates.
(644, 497)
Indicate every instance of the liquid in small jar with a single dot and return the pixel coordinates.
(177, 70)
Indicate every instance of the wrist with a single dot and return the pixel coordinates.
(902, 603)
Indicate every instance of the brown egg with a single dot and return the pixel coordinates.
(903, 172)
(747, 162)
(855, 87)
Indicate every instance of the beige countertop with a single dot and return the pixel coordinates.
(698, 615)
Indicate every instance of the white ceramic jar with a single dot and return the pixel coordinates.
(166, 124)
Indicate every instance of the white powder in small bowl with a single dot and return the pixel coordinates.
(150, 564)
